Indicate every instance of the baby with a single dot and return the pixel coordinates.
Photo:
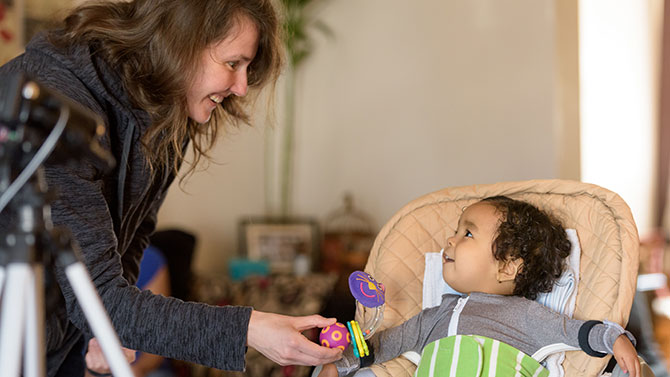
(503, 254)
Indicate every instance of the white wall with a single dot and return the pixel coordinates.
(408, 98)
(619, 50)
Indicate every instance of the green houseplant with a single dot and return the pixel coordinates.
(298, 23)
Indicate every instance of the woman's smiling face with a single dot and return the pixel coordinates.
(223, 70)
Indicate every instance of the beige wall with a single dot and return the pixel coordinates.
(26, 17)
(12, 25)
(408, 98)
(567, 126)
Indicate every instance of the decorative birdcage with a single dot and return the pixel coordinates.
(348, 236)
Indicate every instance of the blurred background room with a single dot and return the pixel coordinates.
(389, 100)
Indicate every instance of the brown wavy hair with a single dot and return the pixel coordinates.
(537, 238)
(155, 45)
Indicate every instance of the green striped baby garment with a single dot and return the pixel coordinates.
(476, 356)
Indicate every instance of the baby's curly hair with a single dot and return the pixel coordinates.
(537, 238)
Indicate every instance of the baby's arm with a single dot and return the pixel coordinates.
(596, 338)
(626, 356)
(329, 370)
(383, 346)
(388, 344)
(601, 338)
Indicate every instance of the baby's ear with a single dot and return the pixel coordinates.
(508, 269)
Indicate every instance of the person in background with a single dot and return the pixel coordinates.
(161, 74)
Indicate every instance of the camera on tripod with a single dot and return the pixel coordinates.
(37, 123)
(29, 112)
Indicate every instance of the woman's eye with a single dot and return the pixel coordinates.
(232, 65)
(468, 234)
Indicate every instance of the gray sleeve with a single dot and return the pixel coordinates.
(208, 335)
(603, 335)
(409, 336)
(544, 327)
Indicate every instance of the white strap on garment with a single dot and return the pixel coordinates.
(455, 316)
(453, 326)
(545, 351)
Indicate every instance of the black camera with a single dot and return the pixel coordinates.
(32, 110)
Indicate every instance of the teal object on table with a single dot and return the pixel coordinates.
(240, 269)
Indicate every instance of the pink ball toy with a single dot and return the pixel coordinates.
(335, 336)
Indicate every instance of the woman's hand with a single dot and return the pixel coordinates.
(626, 356)
(279, 338)
(96, 361)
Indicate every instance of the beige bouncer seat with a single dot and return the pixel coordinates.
(608, 264)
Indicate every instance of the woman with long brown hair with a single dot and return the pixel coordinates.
(161, 74)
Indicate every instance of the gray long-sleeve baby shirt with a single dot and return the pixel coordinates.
(517, 321)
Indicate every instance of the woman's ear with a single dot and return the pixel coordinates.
(508, 269)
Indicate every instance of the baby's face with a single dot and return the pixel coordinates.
(468, 264)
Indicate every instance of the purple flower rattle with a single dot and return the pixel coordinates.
(370, 296)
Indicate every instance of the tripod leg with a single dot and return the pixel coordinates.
(11, 323)
(34, 356)
(2, 277)
(98, 319)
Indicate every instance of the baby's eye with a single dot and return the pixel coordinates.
(468, 233)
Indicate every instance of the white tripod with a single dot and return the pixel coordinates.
(31, 244)
(22, 320)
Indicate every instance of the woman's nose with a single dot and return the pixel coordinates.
(240, 86)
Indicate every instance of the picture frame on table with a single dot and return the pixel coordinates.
(288, 245)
